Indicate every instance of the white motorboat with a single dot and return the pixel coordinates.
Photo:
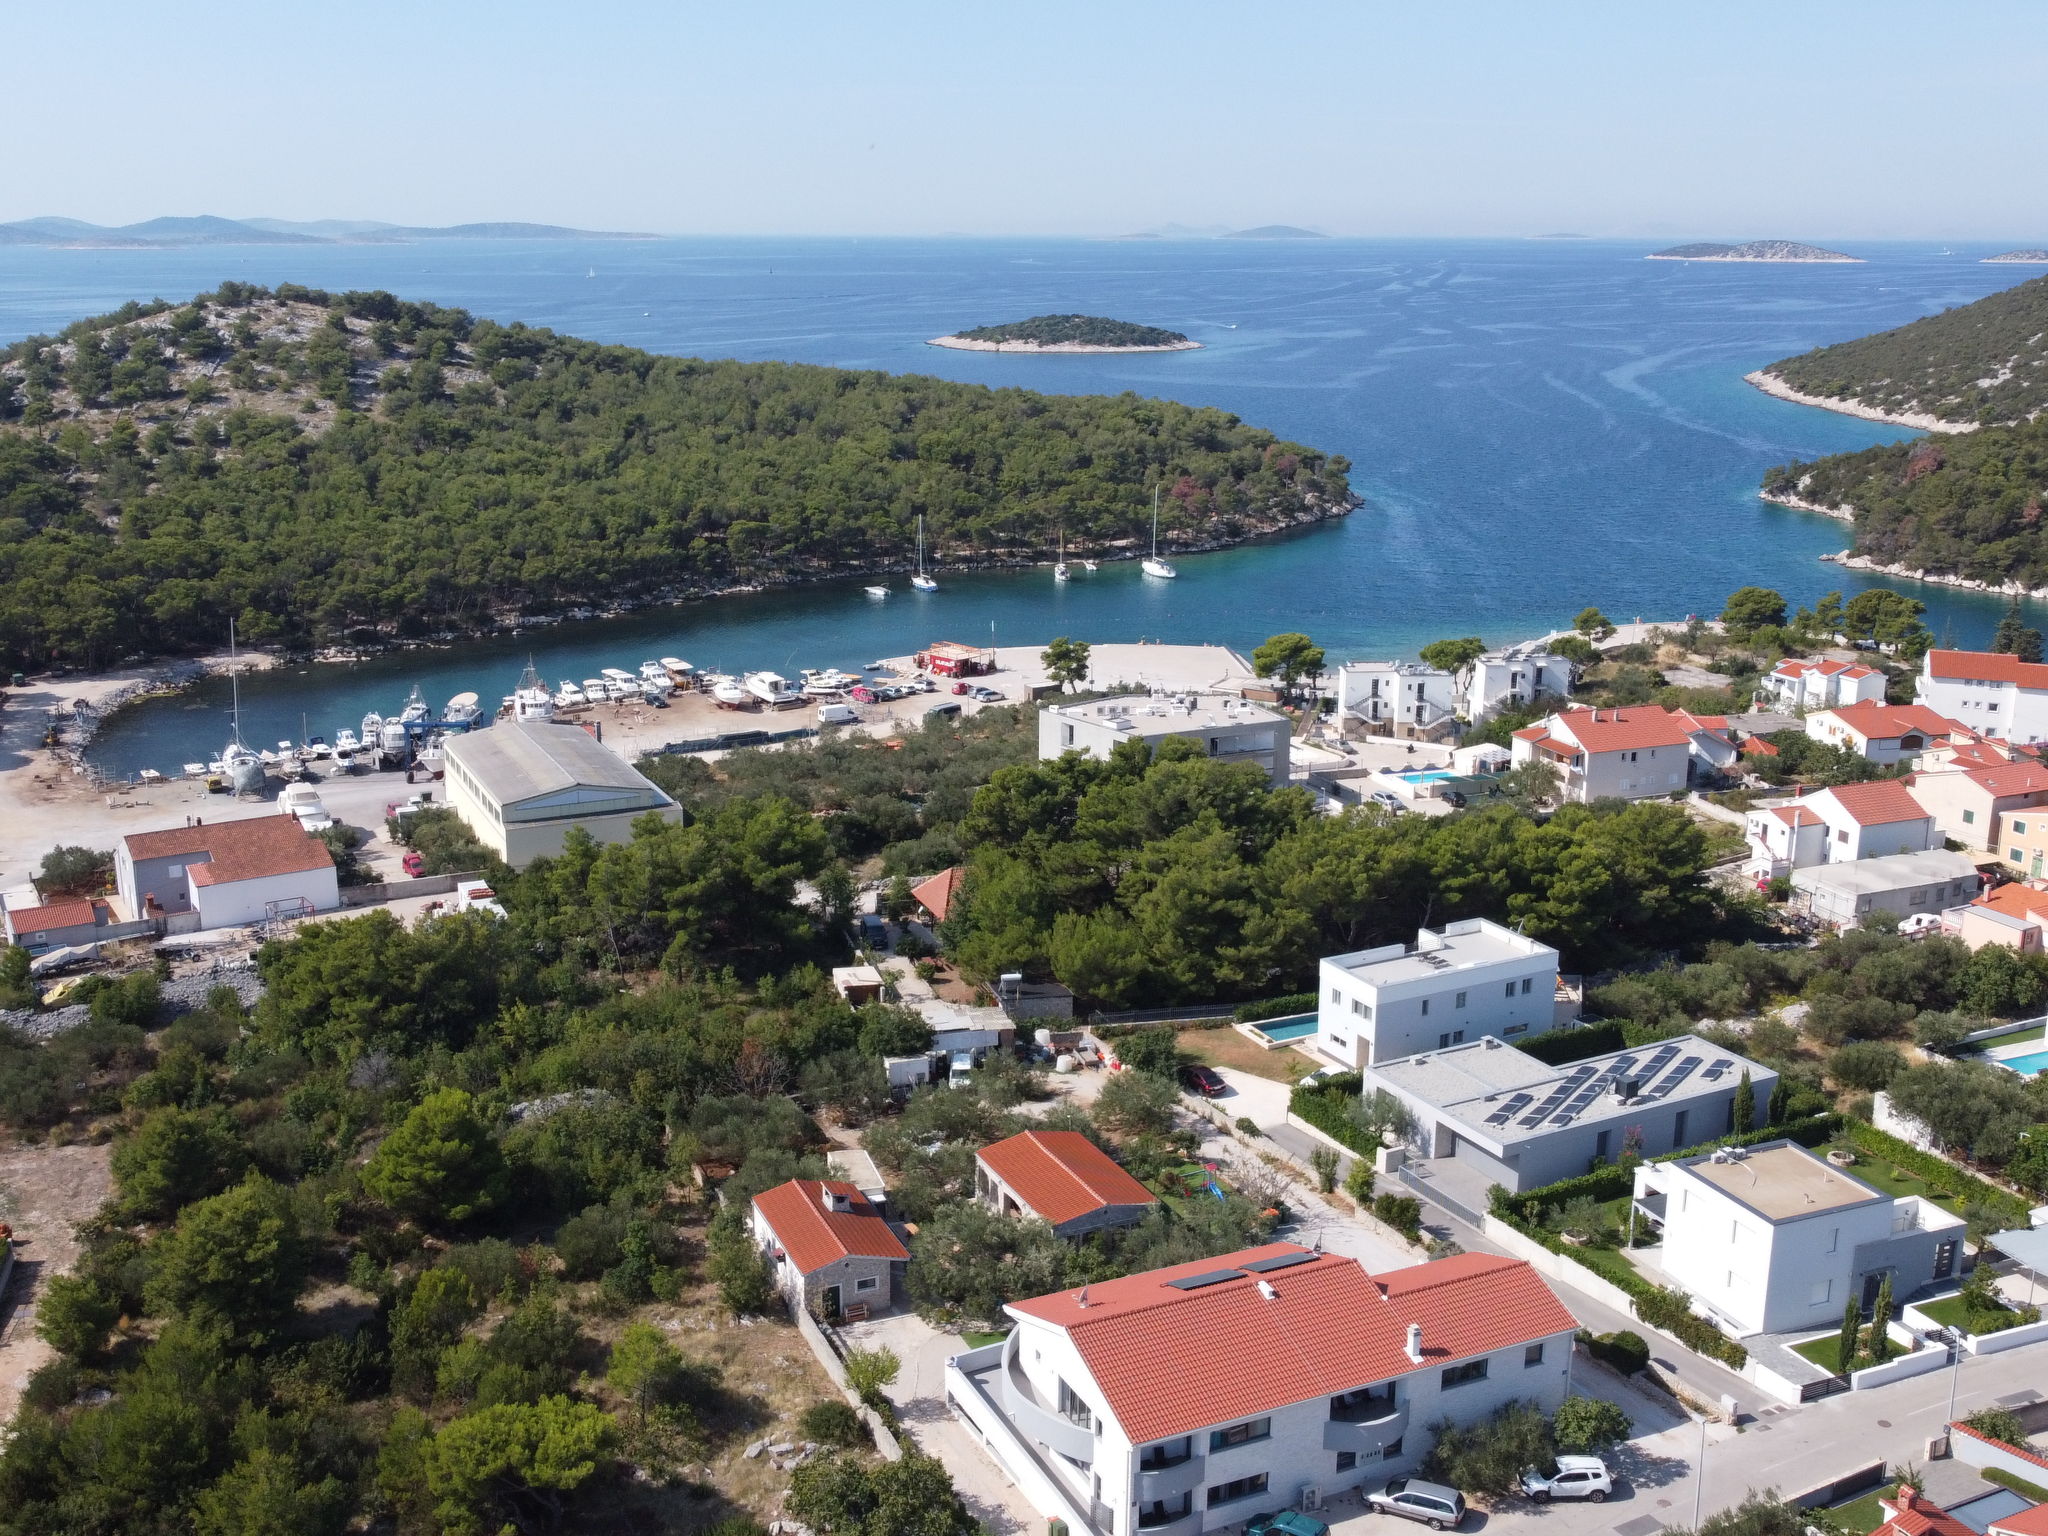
(195, 770)
(827, 683)
(463, 710)
(531, 700)
(921, 581)
(617, 675)
(1087, 565)
(680, 672)
(415, 707)
(1059, 567)
(373, 727)
(877, 591)
(315, 749)
(726, 691)
(267, 757)
(286, 749)
(394, 744)
(569, 696)
(654, 675)
(345, 740)
(344, 758)
(1154, 566)
(431, 756)
(772, 689)
(597, 690)
(150, 776)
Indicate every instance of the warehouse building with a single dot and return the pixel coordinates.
(520, 787)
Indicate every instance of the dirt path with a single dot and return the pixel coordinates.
(44, 1192)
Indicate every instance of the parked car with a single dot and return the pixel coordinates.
(1388, 798)
(962, 688)
(1206, 1081)
(1576, 1477)
(1411, 1498)
(1453, 797)
(415, 865)
(1289, 1522)
(862, 695)
(988, 695)
(1322, 1075)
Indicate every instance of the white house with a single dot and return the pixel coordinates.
(1838, 826)
(1191, 1398)
(1229, 729)
(1797, 685)
(1775, 1240)
(1631, 754)
(1520, 674)
(226, 873)
(1992, 694)
(1522, 1123)
(1884, 733)
(1397, 698)
(1469, 979)
(1904, 884)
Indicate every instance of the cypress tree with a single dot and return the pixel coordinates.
(1745, 1105)
(1845, 1343)
(1880, 1341)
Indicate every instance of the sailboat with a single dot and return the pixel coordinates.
(922, 582)
(1154, 566)
(1059, 570)
(242, 766)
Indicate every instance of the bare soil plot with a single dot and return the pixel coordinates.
(44, 1191)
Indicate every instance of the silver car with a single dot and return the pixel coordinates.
(1436, 1506)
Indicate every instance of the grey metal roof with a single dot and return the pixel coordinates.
(517, 761)
(1892, 872)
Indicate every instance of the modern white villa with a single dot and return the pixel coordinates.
(1398, 698)
(1799, 685)
(1227, 728)
(1774, 1239)
(1454, 984)
(1191, 1398)
(1992, 694)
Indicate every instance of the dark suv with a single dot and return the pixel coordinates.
(1206, 1081)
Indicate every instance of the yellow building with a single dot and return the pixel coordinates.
(521, 786)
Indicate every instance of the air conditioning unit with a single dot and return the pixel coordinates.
(1311, 1496)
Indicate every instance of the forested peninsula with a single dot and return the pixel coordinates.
(1067, 333)
(326, 467)
(1965, 509)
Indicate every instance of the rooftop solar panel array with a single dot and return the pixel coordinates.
(1281, 1261)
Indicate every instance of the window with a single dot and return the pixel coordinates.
(1237, 1488)
(1363, 1010)
(1842, 836)
(2019, 829)
(1336, 996)
(1240, 1434)
(1533, 1355)
(2014, 855)
(1511, 989)
(1461, 1000)
(1823, 1292)
(1066, 735)
(1346, 1460)
(1425, 1001)
(868, 1283)
(1168, 1453)
(175, 871)
(1969, 817)
(1525, 986)
(1164, 1512)
(1515, 1029)
(1600, 1143)
(1458, 1375)
(1393, 1450)
(1678, 1128)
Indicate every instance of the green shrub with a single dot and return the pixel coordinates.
(2008, 1209)
(1566, 1045)
(1275, 1007)
(833, 1423)
(1401, 1212)
(1625, 1351)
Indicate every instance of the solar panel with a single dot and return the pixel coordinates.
(1213, 1277)
(1718, 1069)
(1509, 1110)
(1281, 1261)
(1678, 1075)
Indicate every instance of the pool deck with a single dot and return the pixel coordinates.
(1256, 1031)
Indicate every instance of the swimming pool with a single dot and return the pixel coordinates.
(2030, 1065)
(1425, 776)
(1292, 1027)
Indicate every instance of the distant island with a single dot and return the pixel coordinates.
(1276, 232)
(1066, 333)
(210, 229)
(1223, 232)
(2034, 255)
(1753, 250)
(1561, 236)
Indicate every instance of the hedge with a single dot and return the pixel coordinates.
(1937, 1171)
(1567, 1045)
(1276, 1007)
(1610, 1181)
(1327, 1107)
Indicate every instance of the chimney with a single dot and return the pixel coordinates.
(1266, 1290)
(1415, 1342)
(835, 1201)
(1904, 1498)
(1081, 1299)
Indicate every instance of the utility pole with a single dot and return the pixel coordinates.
(1699, 1482)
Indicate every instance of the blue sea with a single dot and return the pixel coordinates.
(1534, 425)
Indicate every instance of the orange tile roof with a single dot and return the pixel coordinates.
(1622, 730)
(2017, 1450)
(1060, 1175)
(2009, 778)
(56, 914)
(2028, 1522)
(1912, 1515)
(813, 1236)
(1884, 722)
(1329, 1327)
(2016, 900)
(1877, 803)
(250, 849)
(1987, 667)
(936, 894)
(1795, 815)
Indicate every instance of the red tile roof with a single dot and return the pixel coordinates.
(1887, 722)
(2018, 1450)
(1329, 1327)
(1912, 1515)
(813, 1236)
(1877, 803)
(251, 849)
(1828, 667)
(2016, 900)
(1622, 730)
(936, 894)
(81, 913)
(1795, 815)
(1987, 667)
(2028, 1522)
(2010, 778)
(1060, 1175)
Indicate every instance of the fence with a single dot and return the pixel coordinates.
(730, 740)
(1192, 1013)
(827, 1350)
(393, 890)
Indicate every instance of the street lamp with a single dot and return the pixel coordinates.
(1699, 1482)
(1954, 1335)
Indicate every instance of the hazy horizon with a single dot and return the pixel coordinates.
(1827, 122)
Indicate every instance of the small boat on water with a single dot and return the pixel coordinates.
(725, 690)
(772, 689)
(680, 672)
(1087, 565)
(877, 591)
(1059, 569)
(1154, 566)
(921, 581)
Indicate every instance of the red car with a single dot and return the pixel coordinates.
(862, 695)
(1206, 1081)
(414, 864)
(960, 688)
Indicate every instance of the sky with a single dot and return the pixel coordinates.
(1797, 119)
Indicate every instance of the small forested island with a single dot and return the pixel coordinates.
(1066, 333)
(1753, 250)
(211, 229)
(350, 467)
(1276, 232)
(1966, 509)
(2034, 255)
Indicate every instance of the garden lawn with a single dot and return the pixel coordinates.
(1860, 1517)
(1194, 1177)
(977, 1340)
(1225, 1047)
(1875, 1171)
(1826, 1353)
(1950, 1313)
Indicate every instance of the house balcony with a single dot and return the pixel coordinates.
(1367, 1428)
(1166, 1480)
(1171, 1525)
(1034, 1419)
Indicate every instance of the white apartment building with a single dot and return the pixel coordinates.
(1397, 698)
(1775, 1239)
(1993, 695)
(1629, 754)
(1519, 674)
(1191, 1398)
(1797, 685)
(1460, 983)
(1227, 728)
(1838, 826)
(1885, 733)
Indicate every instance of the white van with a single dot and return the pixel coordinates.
(837, 714)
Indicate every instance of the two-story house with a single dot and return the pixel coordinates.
(1469, 979)
(1773, 1239)
(1188, 1399)
(1992, 694)
(1837, 826)
(1397, 698)
(1630, 754)
(1884, 733)
(1798, 685)
(1520, 674)
(2000, 810)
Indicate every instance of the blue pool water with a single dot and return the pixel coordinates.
(2026, 1066)
(1287, 1029)
(1425, 776)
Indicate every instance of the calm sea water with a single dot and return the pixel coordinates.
(1535, 425)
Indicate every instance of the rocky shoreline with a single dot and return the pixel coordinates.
(1849, 560)
(1771, 384)
(1801, 504)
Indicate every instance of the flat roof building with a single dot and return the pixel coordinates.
(1906, 884)
(1523, 1123)
(521, 786)
(1227, 728)
(1455, 984)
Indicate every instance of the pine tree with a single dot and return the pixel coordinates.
(2006, 641)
